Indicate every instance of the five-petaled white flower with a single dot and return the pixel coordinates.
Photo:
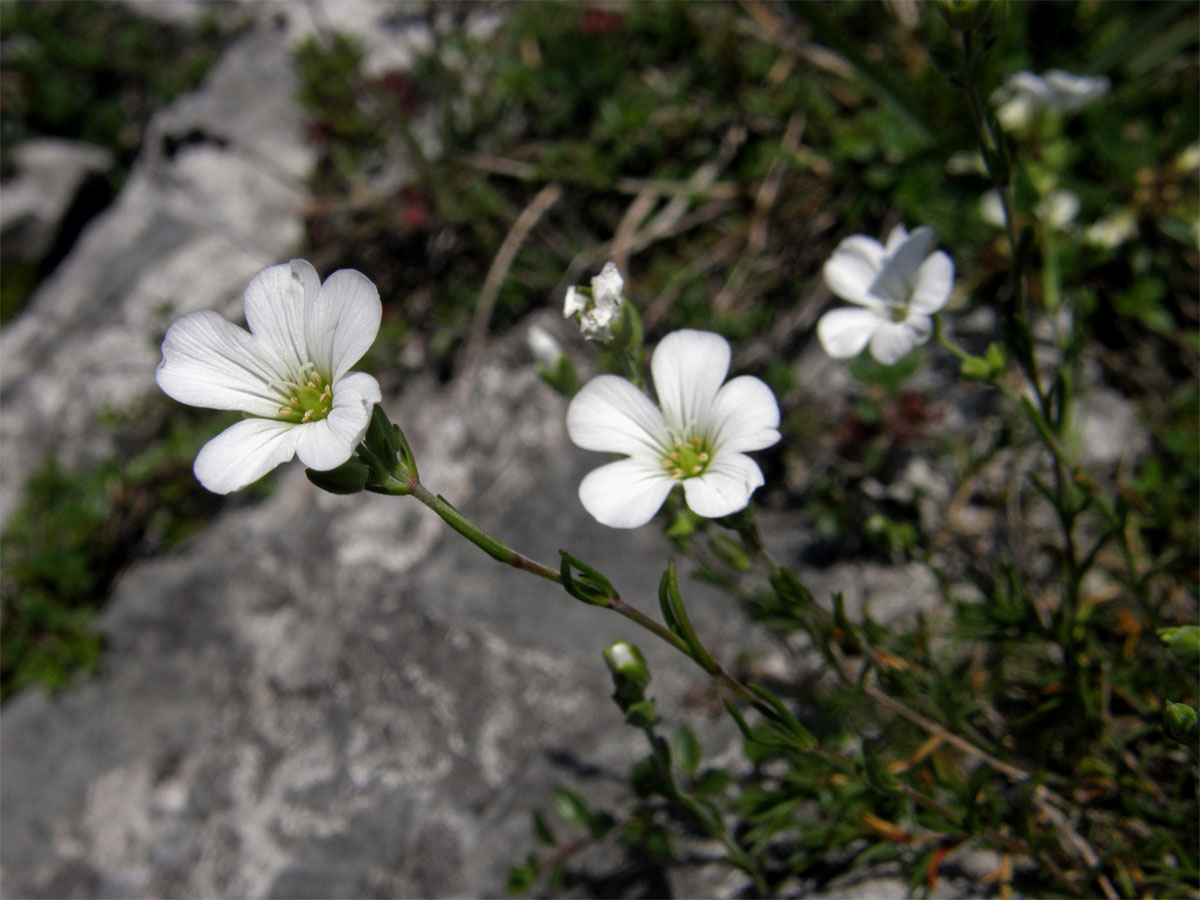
(698, 438)
(899, 285)
(1058, 92)
(596, 313)
(289, 373)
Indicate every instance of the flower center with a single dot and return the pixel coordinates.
(308, 401)
(688, 458)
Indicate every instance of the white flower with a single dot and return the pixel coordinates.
(289, 373)
(546, 349)
(698, 438)
(1113, 230)
(1058, 208)
(1023, 94)
(899, 286)
(991, 208)
(596, 313)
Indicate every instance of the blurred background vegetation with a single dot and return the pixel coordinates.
(718, 152)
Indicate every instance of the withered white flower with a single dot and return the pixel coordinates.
(898, 285)
(289, 373)
(597, 312)
(697, 436)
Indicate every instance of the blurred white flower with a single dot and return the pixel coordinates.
(991, 208)
(1112, 231)
(697, 436)
(898, 285)
(596, 313)
(1057, 209)
(546, 350)
(966, 162)
(1188, 159)
(1023, 94)
(289, 373)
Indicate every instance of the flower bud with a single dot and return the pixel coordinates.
(972, 15)
(627, 664)
(596, 308)
(1180, 723)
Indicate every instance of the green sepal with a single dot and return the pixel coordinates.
(675, 614)
(976, 368)
(563, 377)
(571, 808)
(385, 450)
(348, 478)
(1183, 639)
(641, 714)
(590, 587)
(1181, 724)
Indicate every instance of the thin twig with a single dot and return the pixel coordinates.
(546, 198)
(525, 171)
(634, 216)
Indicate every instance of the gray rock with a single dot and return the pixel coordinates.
(338, 696)
(216, 195)
(34, 202)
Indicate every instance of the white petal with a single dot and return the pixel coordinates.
(991, 208)
(208, 361)
(744, 416)
(342, 322)
(606, 287)
(725, 488)
(330, 442)
(626, 493)
(611, 415)
(243, 453)
(897, 236)
(573, 303)
(277, 301)
(688, 367)
(844, 332)
(853, 268)
(895, 282)
(920, 326)
(935, 280)
(912, 252)
(891, 341)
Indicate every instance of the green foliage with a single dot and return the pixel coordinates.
(1039, 690)
(88, 71)
(76, 530)
(94, 71)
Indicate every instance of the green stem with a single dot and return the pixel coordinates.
(491, 546)
(505, 554)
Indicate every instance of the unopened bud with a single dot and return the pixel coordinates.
(627, 664)
(1180, 722)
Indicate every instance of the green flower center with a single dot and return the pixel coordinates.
(688, 458)
(309, 401)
